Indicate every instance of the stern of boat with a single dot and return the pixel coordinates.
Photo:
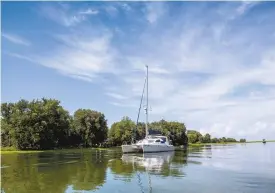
(130, 148)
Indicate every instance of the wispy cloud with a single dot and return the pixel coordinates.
(65, 15)
(111, 10)
(245, 6)
(16, 39)
(122, 104)
(89, 11)
(78, 56)
(60, 16)
(21, 57)
(154, 11)
(125, 6)
(116, 96)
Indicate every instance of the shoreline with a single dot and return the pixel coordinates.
(227, 143)
(14, 151)
(10, 150)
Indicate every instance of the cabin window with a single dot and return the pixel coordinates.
(158, 140)
(163, 139)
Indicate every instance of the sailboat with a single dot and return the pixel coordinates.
(151, 142)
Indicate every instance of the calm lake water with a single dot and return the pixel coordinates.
(246, 168)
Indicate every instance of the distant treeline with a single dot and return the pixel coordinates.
(197, 137)
(45, 124)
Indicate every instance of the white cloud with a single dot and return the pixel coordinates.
(81, 57)
(111, 10)
(125, 6)
(89, 12)
(232, 11)
(245, 6)
(116, 96)
(63, 15)
(21, 57)
(159, 70)
(154, 11)
(122, 105)
(16, 39)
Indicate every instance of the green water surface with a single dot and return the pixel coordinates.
(242, 168)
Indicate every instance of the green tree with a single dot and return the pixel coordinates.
(215, 140)
(207, 138)
(243, 140)
(5, 133)
(196, 137)
(223, 140)
(192, 138)
(231, 140)
(140, 131)
(90, 126)
(121, 132)
(176, 131)
(201, 139)
(39, 124)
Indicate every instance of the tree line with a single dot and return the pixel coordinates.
(197, 137)
(45, 124)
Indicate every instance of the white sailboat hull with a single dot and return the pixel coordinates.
(131, 148)
(150, 148)
(147, 148)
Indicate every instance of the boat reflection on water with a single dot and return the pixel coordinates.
(149, 161)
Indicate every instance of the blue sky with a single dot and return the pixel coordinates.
(211, 65)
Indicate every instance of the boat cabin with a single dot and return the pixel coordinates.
(157, 139)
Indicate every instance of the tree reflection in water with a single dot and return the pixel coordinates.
(86, 170)
(54, 172)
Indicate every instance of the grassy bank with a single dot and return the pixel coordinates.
(11, 150)
(225, 143)
(202, 144)
(260, 141)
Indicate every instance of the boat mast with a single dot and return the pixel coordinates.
(146, 111)
(141, 100)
